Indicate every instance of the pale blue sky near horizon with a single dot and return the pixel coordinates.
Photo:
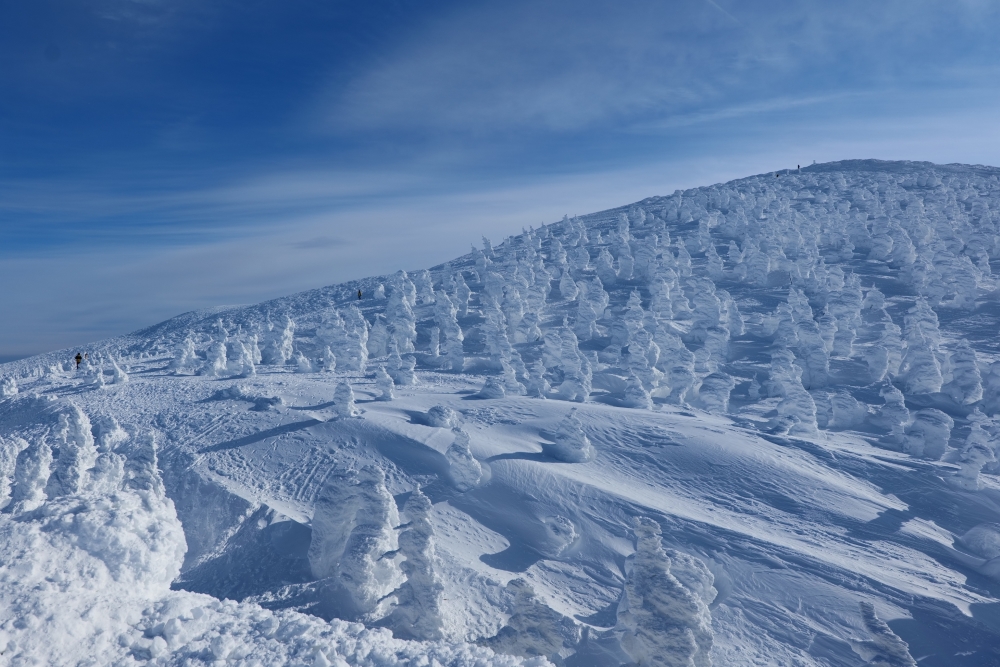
(160, 156)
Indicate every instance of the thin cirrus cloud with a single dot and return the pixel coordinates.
(563, 66)
(160, 156)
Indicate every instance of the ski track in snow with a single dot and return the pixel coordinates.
(738, 347)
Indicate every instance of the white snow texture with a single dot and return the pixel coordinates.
(703, 429)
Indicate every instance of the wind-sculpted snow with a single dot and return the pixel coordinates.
(794, 377)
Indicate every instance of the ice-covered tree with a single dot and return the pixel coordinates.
(302, 363)
(279, 348)
(463, 468)
(378, 337)
(417, 614)
(343, 400)
(8, 387)
(976, 453)
(185, 359)
(329, 360)
(31, 475)
(353, 529)
(714, 393)
(663, 615)
(962, 380)
(10, 448)
(384, 383)
(571, 443)
(120, 376)
(217, 364)
(921, 365)
(928, 434)
(76, 454)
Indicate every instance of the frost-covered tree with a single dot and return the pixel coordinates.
(797, 409)
(463, 468)
(8, 387)
(353, 529)
(461, 294)
(302, 363)
(962, 380)
(217, 364)
(384, 383)
(636, 395)
(446, 316)
(241, 362)
(185, 359)
(928, 434)
(400, 318)
(921, 366)
(663, 615)
(10, 448)
(591, 304)
(417, 614)
(329, 360)
(378, 337)
(279, 348)
(76, 454)
(31, 475)
(571, 443)
(441, 416)
(976, 453)
(120, 376)
(343, 401)
(714, 392)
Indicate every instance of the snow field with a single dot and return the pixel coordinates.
(742, 424)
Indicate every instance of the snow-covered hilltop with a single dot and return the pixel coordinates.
(748, 424)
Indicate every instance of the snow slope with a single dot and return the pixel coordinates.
(746, 424)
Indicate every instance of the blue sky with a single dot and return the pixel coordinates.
(162, 155)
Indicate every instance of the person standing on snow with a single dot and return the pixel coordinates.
(78, 359)
(359, 295)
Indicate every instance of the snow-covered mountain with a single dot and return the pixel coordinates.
(745, 424)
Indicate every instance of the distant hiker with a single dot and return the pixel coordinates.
(798, 168)
(359, 295)
(78, 359)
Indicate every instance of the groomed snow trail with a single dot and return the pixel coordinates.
(747, 424)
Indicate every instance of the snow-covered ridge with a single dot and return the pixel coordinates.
(700, 429)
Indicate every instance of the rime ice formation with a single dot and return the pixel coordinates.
(571, 443)
(795, 374)
(385, 385)
(928, 434)
(664, 618)
(442, 416)
(463, 468)
(217, 364)
(76, 454)
(353, 530)
(280, 345)
(977, 453)
(417, 614)
(343, 400)
(186, 359)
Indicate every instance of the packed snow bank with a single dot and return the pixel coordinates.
(85, 578)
